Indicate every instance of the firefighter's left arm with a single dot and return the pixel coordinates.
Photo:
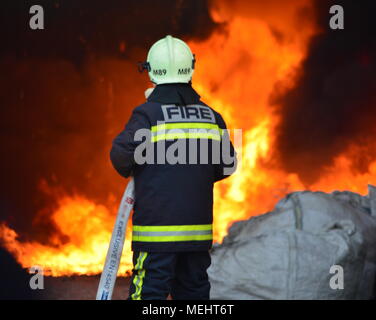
(228, 157)
(124, 145)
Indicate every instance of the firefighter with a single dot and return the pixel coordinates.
(173, 212)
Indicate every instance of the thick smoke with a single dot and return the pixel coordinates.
(67, 90)
(332, 106)
(74, 29)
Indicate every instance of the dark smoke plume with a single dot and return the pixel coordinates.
(333, 104)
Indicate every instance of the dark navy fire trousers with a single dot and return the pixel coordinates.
(183, 275)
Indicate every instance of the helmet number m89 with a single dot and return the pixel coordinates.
(159, 72)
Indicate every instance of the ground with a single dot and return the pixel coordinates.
(80, 288)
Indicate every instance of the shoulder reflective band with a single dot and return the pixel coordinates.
(184, 125)
(199, 232)
(186, 130)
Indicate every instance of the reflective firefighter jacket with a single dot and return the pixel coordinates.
(170, 146)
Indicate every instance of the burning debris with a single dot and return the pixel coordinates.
(294, 251)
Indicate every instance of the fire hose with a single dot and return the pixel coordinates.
(111, 266)
(115, 250)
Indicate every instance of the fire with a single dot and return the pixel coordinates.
(246, 69)
(237, 73)
(88, 227)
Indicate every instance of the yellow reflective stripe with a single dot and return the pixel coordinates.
(195, 232)
(191, 227)
(184, 125)
(186, 135)
(139, 278)
(173, 238)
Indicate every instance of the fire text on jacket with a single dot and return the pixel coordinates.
(189, 113)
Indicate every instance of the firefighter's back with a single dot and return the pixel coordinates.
(174, 187)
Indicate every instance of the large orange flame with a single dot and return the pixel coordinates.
(237, 72)
(88, 227)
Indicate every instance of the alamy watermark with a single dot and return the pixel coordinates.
(336, 281)
(37, 280)
(189, 146)
(337, 21)
(37, 19)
